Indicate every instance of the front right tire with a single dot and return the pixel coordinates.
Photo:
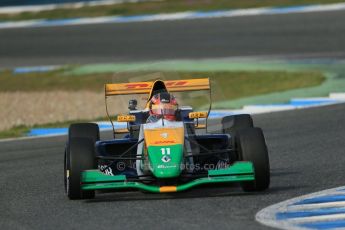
(79, 156)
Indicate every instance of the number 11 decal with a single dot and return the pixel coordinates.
(165, 151)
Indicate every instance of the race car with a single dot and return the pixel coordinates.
(164, 147)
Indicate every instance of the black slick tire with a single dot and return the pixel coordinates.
(251, 146)
(79, 156)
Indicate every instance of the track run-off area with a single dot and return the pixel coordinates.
(306, 147)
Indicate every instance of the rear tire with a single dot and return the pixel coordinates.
(79, 156)
(85, 130)
(231, 125)
(252, 147)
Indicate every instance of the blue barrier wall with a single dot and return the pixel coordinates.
(37, 2)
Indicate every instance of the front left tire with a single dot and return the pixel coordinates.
(251, 146)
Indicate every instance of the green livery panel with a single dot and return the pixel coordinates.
(165, 161)
(239, 171)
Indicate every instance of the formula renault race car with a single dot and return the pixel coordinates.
(164, 147)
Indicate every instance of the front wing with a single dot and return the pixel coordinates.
(96, 180)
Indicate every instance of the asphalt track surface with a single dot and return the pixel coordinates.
(320, 34)
(306, 149)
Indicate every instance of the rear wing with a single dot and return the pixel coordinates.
(145, 87)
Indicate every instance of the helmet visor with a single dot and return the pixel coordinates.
(164, 109)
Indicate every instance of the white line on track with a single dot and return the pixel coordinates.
(37, 8)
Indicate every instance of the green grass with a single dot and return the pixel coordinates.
(225, 85)
(165, 6)
(233, 85)
(17, 131)
(22, 130)
(230, 85)
(54, 80)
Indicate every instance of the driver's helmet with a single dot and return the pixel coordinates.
(163, 105)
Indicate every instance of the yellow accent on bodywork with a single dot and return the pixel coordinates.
(164, 136)
(200, 126)
(193, 115)
(125, 118)
(119, 131)
(168, 189)
(146, 87)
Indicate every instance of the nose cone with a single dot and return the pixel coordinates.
(164, 148)
(166, 161)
